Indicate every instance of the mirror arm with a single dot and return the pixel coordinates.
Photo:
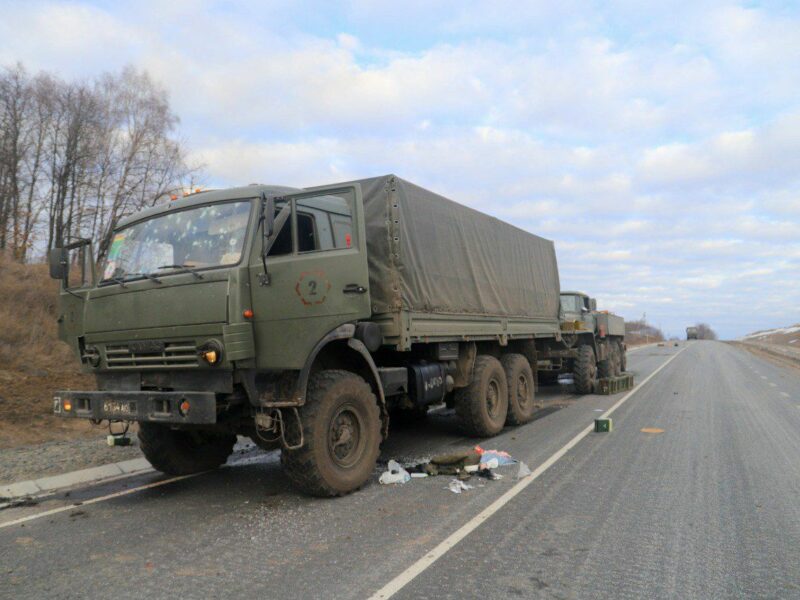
(280, 221)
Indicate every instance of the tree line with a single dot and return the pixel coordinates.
(77, 156)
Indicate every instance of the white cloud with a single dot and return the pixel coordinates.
(662, 155)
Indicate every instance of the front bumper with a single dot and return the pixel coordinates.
(159, 407)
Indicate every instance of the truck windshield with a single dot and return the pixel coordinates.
(571, 304)
(197, 238)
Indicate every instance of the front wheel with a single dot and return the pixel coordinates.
(585, 375)
(178, 452)
(341, 436)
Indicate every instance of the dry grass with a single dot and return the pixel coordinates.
(33, 361)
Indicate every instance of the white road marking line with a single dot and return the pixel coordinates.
(773, 384)
(763, 377)
(404, 578)
(784, 394)
(61, 509)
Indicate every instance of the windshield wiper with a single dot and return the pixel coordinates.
(130, 276)
(118, 280)
(184, 268)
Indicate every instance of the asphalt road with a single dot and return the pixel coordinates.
(708, 508)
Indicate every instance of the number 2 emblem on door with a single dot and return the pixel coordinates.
(312, 287)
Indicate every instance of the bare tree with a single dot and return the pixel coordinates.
(75, 157)
(704, 332)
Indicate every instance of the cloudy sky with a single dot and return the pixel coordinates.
(658, 144)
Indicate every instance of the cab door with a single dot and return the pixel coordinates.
(318, 278)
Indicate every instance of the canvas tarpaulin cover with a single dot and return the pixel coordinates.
(427, 253)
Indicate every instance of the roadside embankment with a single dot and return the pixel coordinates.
(33, 361)
(784, 355)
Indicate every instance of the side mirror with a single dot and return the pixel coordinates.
(57, 257)
(268, 206)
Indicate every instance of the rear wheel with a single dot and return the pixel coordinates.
(482, 406)
(178, 452)
(341, 433)
(616, 360)
(605, 367)
(623, 359)
(585, 375)
(519, 380)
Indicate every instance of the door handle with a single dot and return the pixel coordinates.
(354, 288)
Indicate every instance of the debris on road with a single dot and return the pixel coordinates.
(603, 425)
(463, 465)
(457, 486)
(523, 470)
(395, 473)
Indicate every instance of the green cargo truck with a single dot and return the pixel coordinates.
(691, 333)
(301, 318)
(592, 345)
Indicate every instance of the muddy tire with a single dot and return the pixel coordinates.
(521, 389)
(623, 359)
(585, 374)
(616, 360)
(341, 436)
(177, 452)
(482, 406)
(605, 367)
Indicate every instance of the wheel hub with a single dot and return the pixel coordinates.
(344, 437)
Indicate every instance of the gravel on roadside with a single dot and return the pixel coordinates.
(54, 458)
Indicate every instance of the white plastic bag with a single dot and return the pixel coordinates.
(395, 473)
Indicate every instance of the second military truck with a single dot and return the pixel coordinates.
(591, 347)
(301, 317)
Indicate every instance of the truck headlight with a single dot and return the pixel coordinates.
(211, 352)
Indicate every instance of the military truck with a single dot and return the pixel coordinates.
(691, 333)
(301, 318)
(592, 345)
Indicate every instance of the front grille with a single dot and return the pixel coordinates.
(174, 355)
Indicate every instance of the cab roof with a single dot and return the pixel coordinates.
(573, 293)
(199, 198)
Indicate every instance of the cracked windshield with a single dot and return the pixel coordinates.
(198, 238)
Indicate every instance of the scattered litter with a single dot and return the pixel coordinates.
(457, 486)
(502, 458)
(463, 465)
(489, 474)
(598, 410)
(523, 470)
(651, 430)
(492, 463)
(395, 474)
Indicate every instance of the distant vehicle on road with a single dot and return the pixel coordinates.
(691, 333)
(592, 344)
